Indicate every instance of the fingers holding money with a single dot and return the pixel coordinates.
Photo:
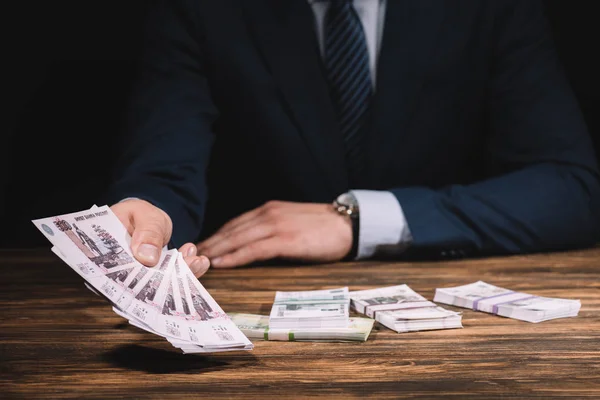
(149, 226)
(150, 229)
(198, 263)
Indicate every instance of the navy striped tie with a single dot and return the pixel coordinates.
(347, 66)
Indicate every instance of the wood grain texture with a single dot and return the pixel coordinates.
(58, 340)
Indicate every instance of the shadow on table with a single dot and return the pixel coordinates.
(265, 309)
(159, 361)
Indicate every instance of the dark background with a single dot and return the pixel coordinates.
(70, 68)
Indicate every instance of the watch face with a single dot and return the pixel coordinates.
(347, 199)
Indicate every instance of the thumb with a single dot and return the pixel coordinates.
(150, 234)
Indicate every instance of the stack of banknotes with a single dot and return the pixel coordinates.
(311, 309)
(481, 296)
(403, 310)
(166, 300)
(257, 327)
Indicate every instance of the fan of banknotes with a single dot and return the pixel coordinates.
(481, 296)
(166, 300)
(403, 310)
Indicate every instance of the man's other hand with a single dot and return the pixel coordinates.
(150, 229)
(295, 231)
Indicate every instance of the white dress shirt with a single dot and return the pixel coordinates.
(383, 226)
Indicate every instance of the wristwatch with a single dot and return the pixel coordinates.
(347, 205)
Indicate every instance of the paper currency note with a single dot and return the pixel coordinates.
(95, 244)
(96, 234)
(421, 313)
(181, 302)
(208, 320)
(372, 301)
(149, 292)
(337, 295)
(173, 321)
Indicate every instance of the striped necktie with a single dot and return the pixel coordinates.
(349, 77)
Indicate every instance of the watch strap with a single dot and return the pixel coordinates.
(351, 256)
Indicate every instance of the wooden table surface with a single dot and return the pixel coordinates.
(58, 340)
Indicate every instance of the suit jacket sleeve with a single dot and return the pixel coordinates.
(171, 115)
(543, 189)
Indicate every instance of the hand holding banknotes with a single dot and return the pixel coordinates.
(150, 229)
(166, 300)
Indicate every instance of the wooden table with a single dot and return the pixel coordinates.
(58, 340)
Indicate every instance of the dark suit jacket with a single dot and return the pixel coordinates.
(474, 127)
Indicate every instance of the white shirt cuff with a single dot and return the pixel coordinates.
(128, 198)
(383, 226)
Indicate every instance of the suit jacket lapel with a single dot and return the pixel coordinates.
(285, 35)
(410, 33)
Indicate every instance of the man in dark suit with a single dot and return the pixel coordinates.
(443, 128)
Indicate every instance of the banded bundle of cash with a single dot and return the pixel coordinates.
(481, 296)
(166, 300)
(311, 309)
(403, 310)
(257, 327)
